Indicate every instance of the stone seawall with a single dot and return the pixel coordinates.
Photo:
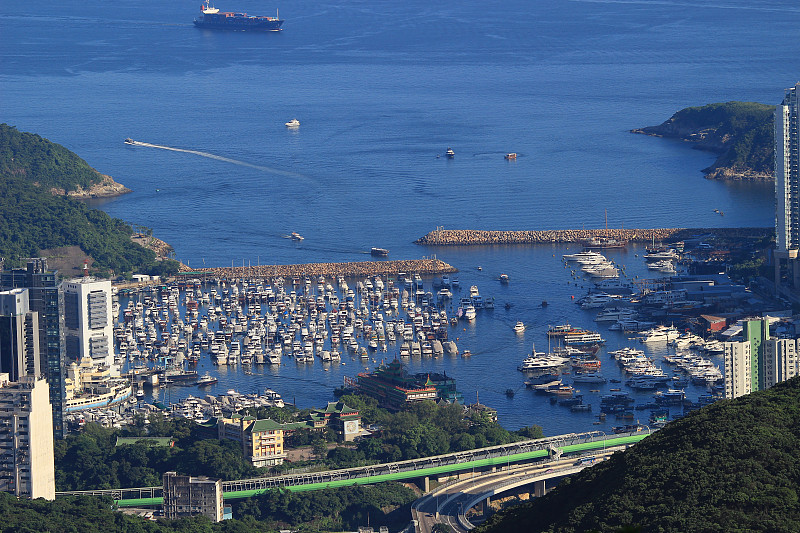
(354, 269)
(451, 237)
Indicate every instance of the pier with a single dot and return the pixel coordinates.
(351, 269)
(463, 237)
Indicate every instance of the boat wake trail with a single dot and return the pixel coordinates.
(225, 159)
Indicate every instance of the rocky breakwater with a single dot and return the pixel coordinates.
(451, 237)
(353, 269)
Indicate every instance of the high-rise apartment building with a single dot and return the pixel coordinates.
(787, 190)
(787, 173)
(88, 321)
(737, 369)
(26, 438)
(780, 361)
(758, 361)
(19, 335)
(45, 299)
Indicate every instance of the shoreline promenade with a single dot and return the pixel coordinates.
(351, 269)
(453, 237)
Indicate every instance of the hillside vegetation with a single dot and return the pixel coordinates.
(33, 219)
(40, 161)
(733, 466)
(742, 133)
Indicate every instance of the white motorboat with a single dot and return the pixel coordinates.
(661, 334)
(585, 258)
(519, 327)
(294, 123)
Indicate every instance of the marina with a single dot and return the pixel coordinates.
(304, 336)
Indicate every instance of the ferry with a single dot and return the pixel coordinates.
(212, 18)
(109, 395)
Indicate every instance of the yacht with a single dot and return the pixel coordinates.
(450, 154)
(661, 334)
(294, 123)
(519, 327)
(615, 314)
(585, 258)
(588, 377)
(469, 313)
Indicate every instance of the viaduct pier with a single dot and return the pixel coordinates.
(466, 237)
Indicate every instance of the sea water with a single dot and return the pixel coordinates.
(382, 89)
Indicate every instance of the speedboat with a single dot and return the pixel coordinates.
(296, 236)
(503, 278)
(129, 141)
(294, 123)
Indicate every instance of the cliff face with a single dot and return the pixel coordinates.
(107, 188)
(741, 133)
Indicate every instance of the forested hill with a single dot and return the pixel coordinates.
(51, 166)
(733, 466)
(742, 133)
(33, 219)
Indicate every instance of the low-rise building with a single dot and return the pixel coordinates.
(190, 496)
(262, 440)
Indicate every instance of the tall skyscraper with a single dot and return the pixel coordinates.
(88, 321)
(45, 299)
(26, 438)
(787, 173)
(19, 335)
(787, 191)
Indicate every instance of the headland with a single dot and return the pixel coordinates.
(464, 237)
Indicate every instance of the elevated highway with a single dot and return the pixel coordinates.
(423, 469)
(450, 503)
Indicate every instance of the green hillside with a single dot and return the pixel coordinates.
(733, 466)
(40, 161)
(742, 133)
(32, 219)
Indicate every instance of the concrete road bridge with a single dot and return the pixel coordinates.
(421, 470)
(450, 503)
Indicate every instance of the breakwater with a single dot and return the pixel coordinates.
(351, 269)
(453, 237)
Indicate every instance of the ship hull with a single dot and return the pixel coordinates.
(238, 23)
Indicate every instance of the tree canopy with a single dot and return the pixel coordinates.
(741, 132)
(730, 467)
(40, 161)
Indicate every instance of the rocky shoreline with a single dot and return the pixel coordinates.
(352, 269)
(450, 237)
(740, 133)
(107, 188)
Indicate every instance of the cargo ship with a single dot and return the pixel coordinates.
(212, 18)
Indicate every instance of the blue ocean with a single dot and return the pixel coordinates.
(381, 90)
